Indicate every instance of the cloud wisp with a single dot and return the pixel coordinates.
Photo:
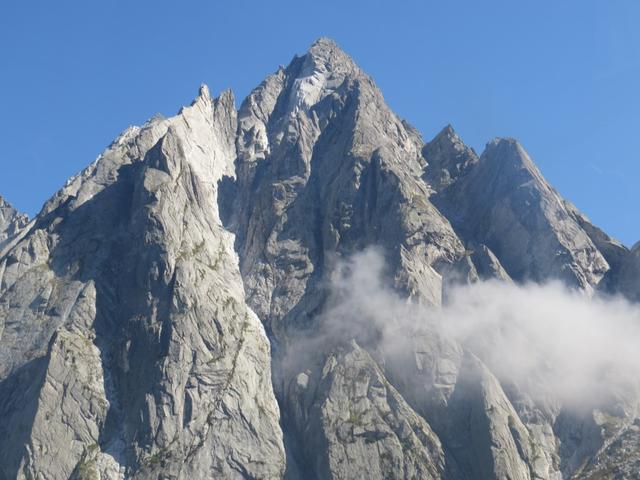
(544, 338)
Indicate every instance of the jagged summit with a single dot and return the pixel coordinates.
(3, 202)
(325, 71)
(504, 202)
(204, 90)
(7, 211)
(320, 72)
(448, 158)
(203, 96)
(509, 150)
(508, 159)
(201, 117)
(448, 131)
(328, 51)
(448, 137)
(11, 222)
(324, 42)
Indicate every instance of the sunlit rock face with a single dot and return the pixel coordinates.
(255, 293)
(12, 223)
(128, 350)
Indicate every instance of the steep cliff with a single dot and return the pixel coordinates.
(127, 349)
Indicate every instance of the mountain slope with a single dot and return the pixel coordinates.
(624, 275)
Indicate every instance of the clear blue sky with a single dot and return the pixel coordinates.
(561, 76)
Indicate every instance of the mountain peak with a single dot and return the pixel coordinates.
(509, 152)
(327, 48)
(324, 42)
(448, 135)
(325, 55)
(448, 130)
(319, 72)
(204, 97)
(11, 221)
(7, 208)
(504, 142)
(448, 158)
(204, 90)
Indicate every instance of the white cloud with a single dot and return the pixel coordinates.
(579, 349)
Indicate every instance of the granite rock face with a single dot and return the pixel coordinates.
(502, 201)
(165, 315)
(486, 435)
(324, 170)
(12, 223)
(128, 350)
(623, 276)
(352, 420)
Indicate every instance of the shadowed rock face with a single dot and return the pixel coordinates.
(502, 201)
(624, 275)
(152, 316)
(351, 420)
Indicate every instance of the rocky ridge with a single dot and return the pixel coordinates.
(12, 223)
(126, 340)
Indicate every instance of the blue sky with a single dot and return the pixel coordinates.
(561, 76)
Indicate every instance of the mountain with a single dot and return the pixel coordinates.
(170, 312)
